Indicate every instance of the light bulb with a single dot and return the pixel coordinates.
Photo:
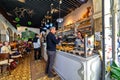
(59, 20)
(60, 2)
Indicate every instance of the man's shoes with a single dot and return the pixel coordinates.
(54, 72)
(51, 76)
(46, 73)
(40, 58)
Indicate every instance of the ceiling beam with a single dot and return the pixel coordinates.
(69, 4)
(76, 2)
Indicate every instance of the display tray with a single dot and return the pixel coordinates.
(77, 53)
(83, 57)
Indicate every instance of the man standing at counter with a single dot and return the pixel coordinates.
(51, 41)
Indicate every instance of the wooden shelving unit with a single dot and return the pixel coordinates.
(85, 26)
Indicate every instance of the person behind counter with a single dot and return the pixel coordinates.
(51, 50)
(79, 41)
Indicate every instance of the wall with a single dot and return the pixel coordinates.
(76, 14)
(22, 29)
(97, 5)
(6, 30)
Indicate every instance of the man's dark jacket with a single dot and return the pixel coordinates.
(51, 42)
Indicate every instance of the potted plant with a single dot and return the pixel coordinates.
(114, 71)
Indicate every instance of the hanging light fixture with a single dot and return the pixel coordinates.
(22, 1)
(59, 20)
(82, 1)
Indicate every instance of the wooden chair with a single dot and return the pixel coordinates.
(22, 51)
(17, 57)
(5, 61)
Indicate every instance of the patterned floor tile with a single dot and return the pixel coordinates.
(29, 70)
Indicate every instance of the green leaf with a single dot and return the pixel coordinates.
(18, 25)
(115, 71)
(29, 22)
(118, 33)
(114, 64)
(117, 68)
(115, 77)
(17, 19)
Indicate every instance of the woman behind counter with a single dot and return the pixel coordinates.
(79, 41)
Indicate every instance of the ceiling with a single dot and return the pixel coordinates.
(32, 13)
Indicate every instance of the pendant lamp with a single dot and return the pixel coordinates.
(59, 20)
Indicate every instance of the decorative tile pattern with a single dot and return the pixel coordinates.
(29, 70)
(38, 70)
(22, 72)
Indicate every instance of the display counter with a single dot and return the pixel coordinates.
(43, 51)
(73, 67)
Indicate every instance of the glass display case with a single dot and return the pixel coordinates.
(89, 45)
(84, 50)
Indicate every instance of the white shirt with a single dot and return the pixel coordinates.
(36, 44)
(5, 49)
(78, 42)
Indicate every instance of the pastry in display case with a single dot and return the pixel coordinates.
(65, 47)
(84, 50)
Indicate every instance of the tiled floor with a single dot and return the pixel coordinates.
(21, 72)
(29, 70)
(38, 70)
